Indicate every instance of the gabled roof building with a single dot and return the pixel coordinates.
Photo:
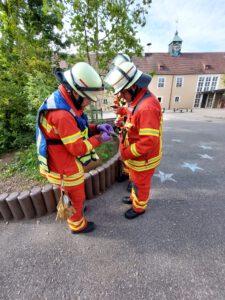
(185, 80)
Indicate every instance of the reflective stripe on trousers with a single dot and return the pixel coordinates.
(141, 191)
(77, 221)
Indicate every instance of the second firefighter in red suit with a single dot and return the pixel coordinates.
(141, 147)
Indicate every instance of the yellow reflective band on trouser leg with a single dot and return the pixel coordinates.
(55, 178)
(78, 225)
(137, 204)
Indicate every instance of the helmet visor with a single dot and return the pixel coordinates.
(119, 79)
(119, 59)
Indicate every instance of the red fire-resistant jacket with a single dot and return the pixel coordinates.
(142, 148)
(62, 125)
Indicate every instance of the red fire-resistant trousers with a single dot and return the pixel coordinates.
(77, 222)
(140, 193)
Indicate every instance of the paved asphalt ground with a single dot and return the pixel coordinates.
(175, 251)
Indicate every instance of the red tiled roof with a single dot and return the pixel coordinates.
(185, 64)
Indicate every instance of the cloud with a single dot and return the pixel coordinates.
(201, 25)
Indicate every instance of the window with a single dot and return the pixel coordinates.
(177, 99)
(197, 100)
(200, 83)
(214, 83)
(105, 101)
(209, 101)
(179, 81)
(161, 82)
(207, 83)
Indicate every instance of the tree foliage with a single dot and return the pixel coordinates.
(32, 38)
(107, 27)
(27, 37)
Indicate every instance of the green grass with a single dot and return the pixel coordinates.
(25, 162)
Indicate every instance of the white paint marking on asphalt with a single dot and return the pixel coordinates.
(164, 177)
(192, 167)
(205, 147)
(206, 156)
(176, 140)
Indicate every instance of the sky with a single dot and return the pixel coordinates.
(200, 24)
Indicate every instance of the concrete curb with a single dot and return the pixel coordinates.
(41, 201)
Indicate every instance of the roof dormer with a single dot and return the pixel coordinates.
(207, 67)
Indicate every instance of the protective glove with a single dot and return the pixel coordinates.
(122, 111)
(119, 122)
(105, 137)
(123, 151)
(105, 128)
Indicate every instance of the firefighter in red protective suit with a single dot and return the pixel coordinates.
(141, 143)
(120, 109)
(65, 140)
(119, 102)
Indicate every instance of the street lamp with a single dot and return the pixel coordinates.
(148, 45)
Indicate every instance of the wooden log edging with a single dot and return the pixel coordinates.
(40, 201)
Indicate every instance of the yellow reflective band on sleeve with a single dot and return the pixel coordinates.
(88, 145)
(71, 138)
(149, 131)
(134, 150)
(46, 125)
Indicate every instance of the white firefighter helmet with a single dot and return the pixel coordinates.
(120, 58)
(84, 80)
(125, 75)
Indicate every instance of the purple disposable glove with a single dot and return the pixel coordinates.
(105, 128)
(105, 137)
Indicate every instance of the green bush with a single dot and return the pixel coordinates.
(25, 161)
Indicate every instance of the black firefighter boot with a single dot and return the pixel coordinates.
(131, 214)
(90, 227)
(126, 200)
(129, 186)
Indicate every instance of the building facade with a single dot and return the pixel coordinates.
(180, 80)
(185, 80)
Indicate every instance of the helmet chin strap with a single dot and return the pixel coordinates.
(133, 92)
(76, 101)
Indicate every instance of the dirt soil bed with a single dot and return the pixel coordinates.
(19, 183)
